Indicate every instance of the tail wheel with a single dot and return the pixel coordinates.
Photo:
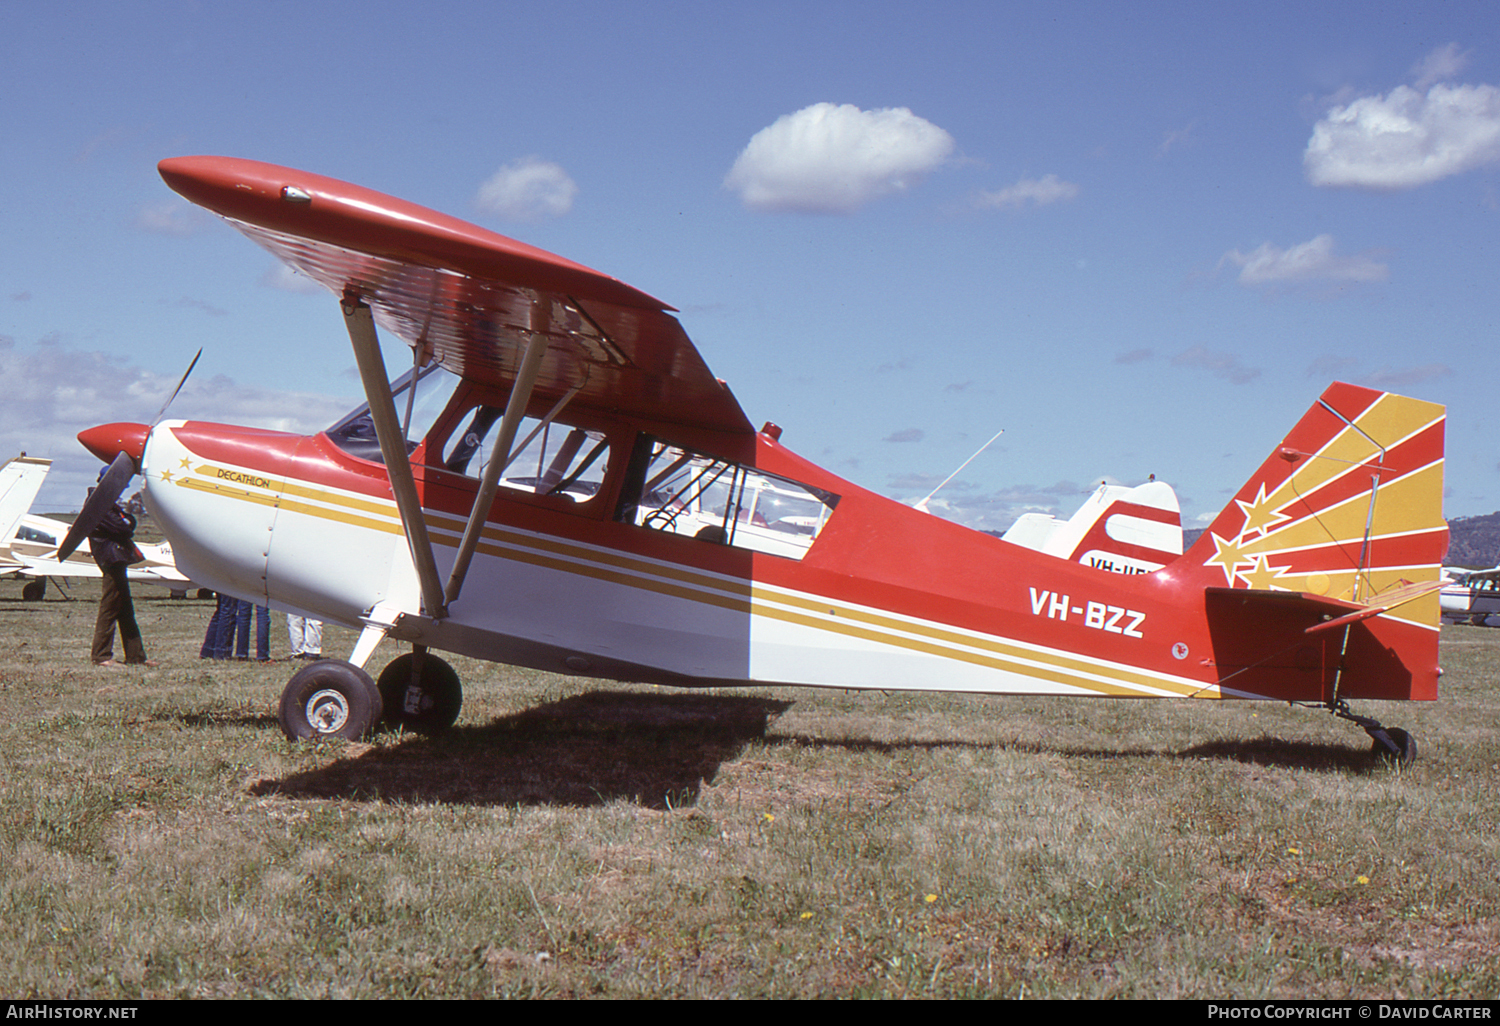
(1405, 747)
(420, 692)
(329, 699)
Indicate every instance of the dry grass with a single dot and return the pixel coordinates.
(159, 838)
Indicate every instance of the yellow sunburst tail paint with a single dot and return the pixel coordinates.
(1346, 510)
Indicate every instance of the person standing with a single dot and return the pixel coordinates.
(112, 544)
(262, 632)
(220, 634)
(306, 636)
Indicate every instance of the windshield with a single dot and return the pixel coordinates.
(420, 398)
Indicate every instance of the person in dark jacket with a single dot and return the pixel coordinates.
(112, 544)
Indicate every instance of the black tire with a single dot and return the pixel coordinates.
(330, 698)
(1406, 746)
(205, 593)
(34, 591)
(429, 705)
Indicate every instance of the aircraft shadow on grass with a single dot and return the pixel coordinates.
(658, 751)
(590, 749)
(1265, 751)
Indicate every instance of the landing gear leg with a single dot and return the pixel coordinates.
(420, 692)
(1390, 743)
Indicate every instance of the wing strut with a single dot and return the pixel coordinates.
(500, 454)
(361, 326)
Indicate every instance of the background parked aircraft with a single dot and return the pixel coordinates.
(28, 541)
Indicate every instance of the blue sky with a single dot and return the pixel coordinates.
(1140, 238)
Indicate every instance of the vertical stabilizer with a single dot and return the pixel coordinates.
(20, 480)
(1349, 506)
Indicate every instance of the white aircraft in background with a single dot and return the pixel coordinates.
(1470, 596)
(28, 542)
(1123, 530)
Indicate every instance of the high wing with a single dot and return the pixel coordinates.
(469, 298)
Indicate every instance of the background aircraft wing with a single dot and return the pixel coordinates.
(470, 297)
(40, 566)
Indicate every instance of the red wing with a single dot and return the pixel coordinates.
(468, 294)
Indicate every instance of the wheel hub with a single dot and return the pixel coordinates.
(327, 711)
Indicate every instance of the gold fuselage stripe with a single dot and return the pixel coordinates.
(695, 586)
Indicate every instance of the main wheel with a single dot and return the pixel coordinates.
(330, 698)
(1406, 747)
(428, 704)
(34, 591)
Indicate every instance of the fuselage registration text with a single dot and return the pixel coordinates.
(1098, 615)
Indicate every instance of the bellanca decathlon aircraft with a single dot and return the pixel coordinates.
(559, 482)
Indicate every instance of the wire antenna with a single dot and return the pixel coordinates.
(923, 504)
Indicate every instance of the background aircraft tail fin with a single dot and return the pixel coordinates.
(1349, 509)
(1124, 530)
(20, 480)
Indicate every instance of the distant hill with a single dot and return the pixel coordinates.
(1474, 541)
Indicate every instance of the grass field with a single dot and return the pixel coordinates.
(160, 838)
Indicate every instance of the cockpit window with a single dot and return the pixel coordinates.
(420, 398)
(547, 458)
(688, 493)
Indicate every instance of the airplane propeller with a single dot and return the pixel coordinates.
(105, 494)
(124, 466)
(163, 411)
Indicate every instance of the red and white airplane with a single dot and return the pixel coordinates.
(560, 482)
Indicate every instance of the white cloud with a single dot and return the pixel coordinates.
(285, 278)
(170, 217)
(1386, 378)
(995, 511)
(1038, 192)
(1314, 260)
(834, 159)
(54, 391)
(1441, 65)
(1405, 139)
(529, 189)
(906, 435)
(1220, 365)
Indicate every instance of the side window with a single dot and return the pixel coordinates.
(724, 503)
(546, 459)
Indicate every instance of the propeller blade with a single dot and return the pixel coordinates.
(105, 494)
(173, 396)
